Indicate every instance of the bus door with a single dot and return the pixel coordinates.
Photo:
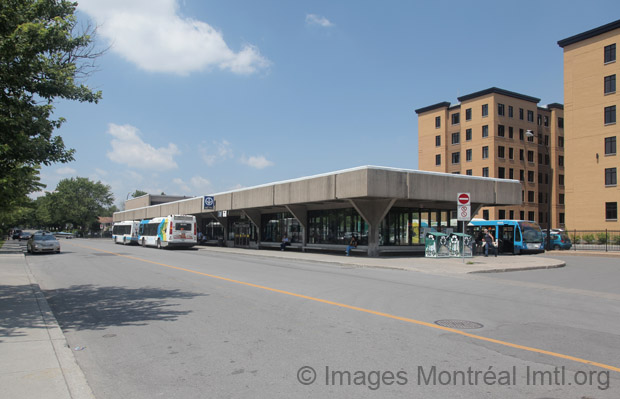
(242, 234)
(506, 235)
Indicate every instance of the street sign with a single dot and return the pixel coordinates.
(462, 199)
(208, 203)
(463, 213)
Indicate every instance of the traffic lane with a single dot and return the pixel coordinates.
(508, 313)
(111, 264)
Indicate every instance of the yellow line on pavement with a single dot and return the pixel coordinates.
(369, 311)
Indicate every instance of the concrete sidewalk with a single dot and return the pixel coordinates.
(477, 264)
(36, 362)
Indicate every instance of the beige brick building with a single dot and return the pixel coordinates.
(486, 134)
(590, 98)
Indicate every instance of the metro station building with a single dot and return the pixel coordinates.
(386, 209)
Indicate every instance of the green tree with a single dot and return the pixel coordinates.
(138, 193)
(80, 201)
(43, 57)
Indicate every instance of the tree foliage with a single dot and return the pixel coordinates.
(76, 201)
(43, 57)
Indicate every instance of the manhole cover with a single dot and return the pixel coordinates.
(459, 324)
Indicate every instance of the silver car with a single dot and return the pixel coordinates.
(43, 242)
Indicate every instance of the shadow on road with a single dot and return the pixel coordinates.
(88, 307)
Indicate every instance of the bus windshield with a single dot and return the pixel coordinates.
(531, 232)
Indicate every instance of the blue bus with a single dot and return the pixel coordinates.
(512, 236)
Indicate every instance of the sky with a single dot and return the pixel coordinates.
(202, 97)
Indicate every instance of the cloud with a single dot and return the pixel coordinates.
(66, 171)
(259, 162)
(155, 37)
(129, 149)
(219, 151)
(313, 19)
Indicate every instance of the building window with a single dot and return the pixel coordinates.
(611, 211)
(561, 141)
(456, 138)
(530, 156)
(610, 145)
(521, 134)
(438, 159)
(469, 172)
(510, 132)
(546, 121)
(530, 196)
(560, 122)
(561, 160)
(437, 141)
(468, 134)
(610, 84)
(610, 177)
(437, 122)
(501, 130)
(561, 199)
(522, 175)
(485, 152)
(485, 131)
(500, 109)
(501, 152)
(521, 154)
(610, 53)
(521, 113)
(610, 115)
(560, 180)
(468, 155)
(456, 157)
(501, 172)
(511, 173)
(511, 153)
(485, 172)
(456, 118)
(561, 218)
(530, 116)
(510, 111)
(485, 110)
(530, 176)
(501, 214)
(468, 114)
(485, 214)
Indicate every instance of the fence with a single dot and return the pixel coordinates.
(595, 240)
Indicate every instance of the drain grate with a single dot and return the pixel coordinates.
(459, 324)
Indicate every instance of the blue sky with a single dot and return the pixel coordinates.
(201, 97)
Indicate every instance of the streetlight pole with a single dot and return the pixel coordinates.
(547, 145)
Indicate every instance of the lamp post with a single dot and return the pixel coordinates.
(530, 133)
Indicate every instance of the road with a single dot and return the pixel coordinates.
(149, 323)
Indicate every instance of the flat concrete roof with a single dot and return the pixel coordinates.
(409, 188)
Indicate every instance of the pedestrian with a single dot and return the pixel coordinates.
(489, 242)
(352, 244)
(285, 242)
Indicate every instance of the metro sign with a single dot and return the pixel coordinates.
(463, 199)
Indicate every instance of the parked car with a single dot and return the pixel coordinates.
(43, 242)
(24, 235)
(558, 241)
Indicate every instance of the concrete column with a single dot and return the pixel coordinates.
(373, 212)
(300, 213)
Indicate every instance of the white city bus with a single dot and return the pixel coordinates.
(125, 232)
(168, 231)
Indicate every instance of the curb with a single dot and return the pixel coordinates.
(73, 375)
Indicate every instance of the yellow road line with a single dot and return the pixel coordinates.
(387, 315)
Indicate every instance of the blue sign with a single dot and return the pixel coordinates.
(208, 203)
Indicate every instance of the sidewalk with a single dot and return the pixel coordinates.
(477, 264)
(36, 362)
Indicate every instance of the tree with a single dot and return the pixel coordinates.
(78, 201)
(138, 193)
(43, 56)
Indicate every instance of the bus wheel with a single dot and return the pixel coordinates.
(158, 244)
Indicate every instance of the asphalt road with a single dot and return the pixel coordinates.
(149, 323)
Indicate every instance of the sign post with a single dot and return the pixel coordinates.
(463, 214)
